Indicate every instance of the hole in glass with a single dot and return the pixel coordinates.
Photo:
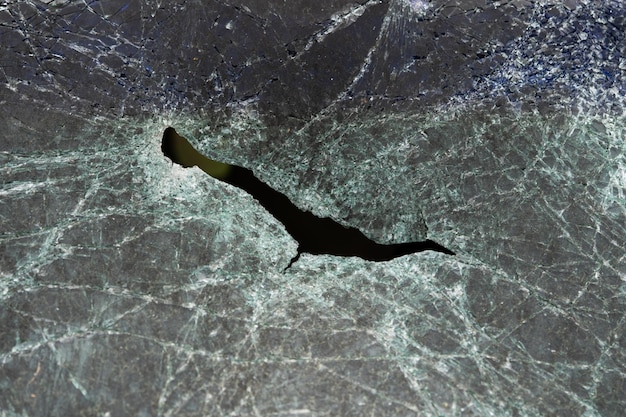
(315, 235)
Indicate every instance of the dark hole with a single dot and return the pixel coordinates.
(314, 235)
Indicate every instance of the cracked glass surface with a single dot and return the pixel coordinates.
(132, 286)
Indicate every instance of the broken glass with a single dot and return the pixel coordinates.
(133, 286)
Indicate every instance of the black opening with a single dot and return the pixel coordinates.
(314, 235)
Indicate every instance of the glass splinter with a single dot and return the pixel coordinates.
(315, 235)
